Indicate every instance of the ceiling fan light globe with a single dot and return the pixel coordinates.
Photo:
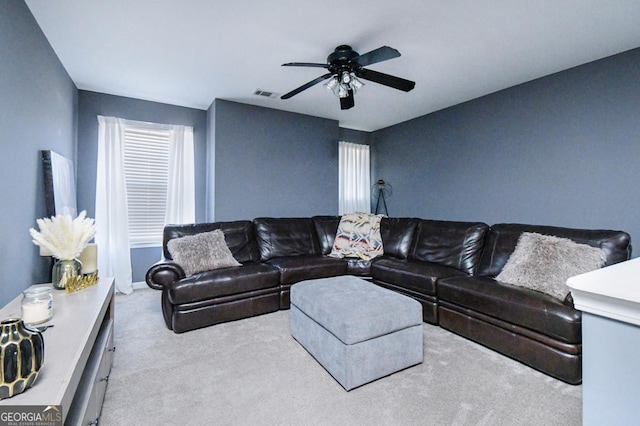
(331, 85)
(343, 91)
(356, 83)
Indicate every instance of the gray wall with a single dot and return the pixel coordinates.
(272, 163)
(355, 136)
(92, 104)
(561, 150)
(38, 104)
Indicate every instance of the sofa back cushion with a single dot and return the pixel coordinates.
(503, 237)
(326, 229)
(278, 237)
(397, 235)
(455, 244)
(239, 235)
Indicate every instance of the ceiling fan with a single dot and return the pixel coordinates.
(346, 67)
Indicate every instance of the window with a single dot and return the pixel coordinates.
(354, 188)
(144, 180)
(146, 167)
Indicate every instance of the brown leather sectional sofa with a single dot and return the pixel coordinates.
(449, 267)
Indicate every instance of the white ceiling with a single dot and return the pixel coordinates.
(189, 52)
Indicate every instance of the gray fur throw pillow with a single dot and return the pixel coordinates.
(543, 263)
(201, 252)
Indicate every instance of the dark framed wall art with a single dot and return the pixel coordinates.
(59, 185)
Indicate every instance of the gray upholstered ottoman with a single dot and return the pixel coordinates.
(356, 330)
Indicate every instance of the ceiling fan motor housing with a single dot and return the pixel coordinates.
(340, 60)
(342, 55)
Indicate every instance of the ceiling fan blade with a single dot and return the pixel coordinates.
(348, 102)
(380, 54)
(305, 64)
(386, 79)
(306, 86)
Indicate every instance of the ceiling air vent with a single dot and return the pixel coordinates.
(266, 94)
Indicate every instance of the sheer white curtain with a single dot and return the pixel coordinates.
(181, 204)
(354, 182)
(112, 236)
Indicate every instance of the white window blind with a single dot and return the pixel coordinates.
(146, 164)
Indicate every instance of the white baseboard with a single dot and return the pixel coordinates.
(140, 285)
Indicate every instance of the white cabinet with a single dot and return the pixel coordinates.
(87, 405)
(610, 301)
(78, 353)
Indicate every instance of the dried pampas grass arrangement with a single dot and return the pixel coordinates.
(63, 237)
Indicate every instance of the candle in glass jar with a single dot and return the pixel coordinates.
(37, 305)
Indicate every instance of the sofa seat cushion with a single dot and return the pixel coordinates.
(516, 305)
(358, 267)
(298, 268)
(223, 282)
(417, 276)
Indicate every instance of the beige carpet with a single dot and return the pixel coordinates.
(251, 372)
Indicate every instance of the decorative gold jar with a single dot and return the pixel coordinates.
(22, 355)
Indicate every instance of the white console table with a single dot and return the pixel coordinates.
(78, 353)
(610, 301)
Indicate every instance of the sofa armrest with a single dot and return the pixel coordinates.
(568, 301)
(161, 274)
